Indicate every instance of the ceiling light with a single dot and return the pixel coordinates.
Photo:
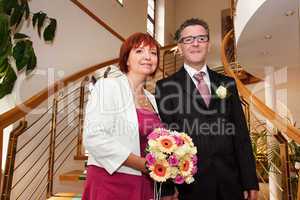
(268, 36)
(289, 13)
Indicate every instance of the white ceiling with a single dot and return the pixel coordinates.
(256, 53)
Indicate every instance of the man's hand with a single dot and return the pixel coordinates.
(251, 195)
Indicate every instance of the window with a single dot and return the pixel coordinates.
(151, 17)
(120, 2)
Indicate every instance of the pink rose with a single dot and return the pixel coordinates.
(173, 161)
(179, 179)
(150, 158)
(194, 159)
(153, 135)
(194, 170)
(178, 140)
(164, 132)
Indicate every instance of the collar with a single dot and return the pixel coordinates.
(192, 71)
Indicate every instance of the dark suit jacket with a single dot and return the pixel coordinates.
(226, 163)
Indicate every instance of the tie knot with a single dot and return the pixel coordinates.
(199, 76)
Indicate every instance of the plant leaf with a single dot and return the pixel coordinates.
(49, 32)
(16, 16)
(26, 9)
(31, 61)
(41, 18)
(4, 32)
(3, 67)
(20, 36)
(7, 80)
(8, 5)
(5, 53)
(35, 18)
(19, 53)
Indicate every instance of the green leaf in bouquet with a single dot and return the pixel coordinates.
(49, 32)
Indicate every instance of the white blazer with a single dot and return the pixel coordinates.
(111, 130)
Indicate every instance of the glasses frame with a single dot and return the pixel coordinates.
(197, 38)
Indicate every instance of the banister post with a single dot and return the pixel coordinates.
(52, 149)
(81, 119)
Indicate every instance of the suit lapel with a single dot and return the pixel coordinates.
(214, 84)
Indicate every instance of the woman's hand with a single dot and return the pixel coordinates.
(136, 162)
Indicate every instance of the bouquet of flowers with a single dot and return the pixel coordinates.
(171, 156)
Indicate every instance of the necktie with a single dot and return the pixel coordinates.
(202, 87)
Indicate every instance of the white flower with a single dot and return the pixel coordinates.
(221, 92)
(189, 179)
(297, 165)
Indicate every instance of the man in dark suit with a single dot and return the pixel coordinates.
(206, 105)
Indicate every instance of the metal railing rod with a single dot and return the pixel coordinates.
(31, 167)
(32, 152)
(37, 133)
(38, 119)
(275, 167)
(69, 103)
(65, 128)
(263, 182)
(65, 159)
(31, 181)
(66, 145)
(69, 93)
(67, 135)
(40, 183)
(41, 194)
(61, 120)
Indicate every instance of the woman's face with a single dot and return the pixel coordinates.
(142, 60)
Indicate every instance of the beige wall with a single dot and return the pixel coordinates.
(209, 11)
(170, 21)
(124, 20)
(79, 42)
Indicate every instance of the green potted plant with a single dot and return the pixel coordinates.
(16, 50)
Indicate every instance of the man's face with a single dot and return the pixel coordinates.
(195, 52)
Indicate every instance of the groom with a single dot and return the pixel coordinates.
(206, 105)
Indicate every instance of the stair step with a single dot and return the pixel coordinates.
(66, 196)
(74, 176)
(81, 157)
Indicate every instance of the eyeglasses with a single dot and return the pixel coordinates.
(191, 39)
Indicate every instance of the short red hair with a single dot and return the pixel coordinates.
(134, 41)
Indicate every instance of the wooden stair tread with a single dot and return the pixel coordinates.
(66, 196)
(81, 157)
(74, 175)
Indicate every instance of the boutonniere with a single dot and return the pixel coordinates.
(222, 92)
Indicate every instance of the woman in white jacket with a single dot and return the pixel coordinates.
(119, 115)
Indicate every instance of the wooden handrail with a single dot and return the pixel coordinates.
(279, 122)
(22, 109)
(19, 111)
(97, 19)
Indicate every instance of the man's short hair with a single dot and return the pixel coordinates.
(191, 22)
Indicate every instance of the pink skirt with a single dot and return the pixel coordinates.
(100, 185)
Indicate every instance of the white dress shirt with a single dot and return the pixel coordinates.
(192, 71)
